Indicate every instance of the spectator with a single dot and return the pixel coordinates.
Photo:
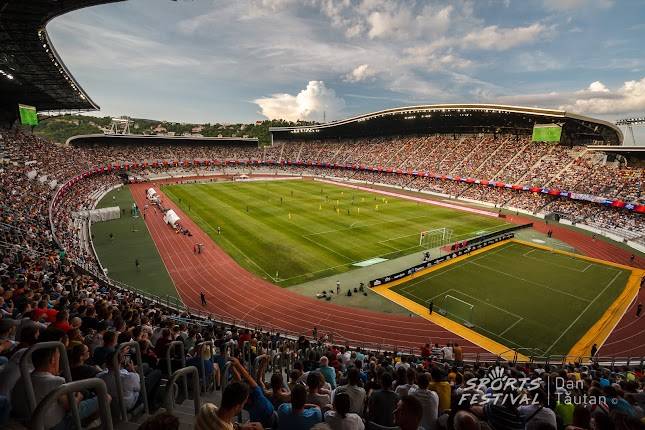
(164, 420)
(382, 403)
(45, 380)
(355, 392)
(101, 353)
(341, 418)
(315, 395)
(408, 413)
(211, 417)
(258, 406)
(298, 415)
(78, 356)
(441, 387)
(429, 401)
(328, 372)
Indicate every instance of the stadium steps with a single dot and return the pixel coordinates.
(483, 163)
(411, 155)
(535, 166)
(423, 164)
(461, 163)
(299, 151)
(566, 167)
(511, 160)
(184, 411)
(448, 168)
(340, 148)
(281, 151)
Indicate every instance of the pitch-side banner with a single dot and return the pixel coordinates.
(438, 260)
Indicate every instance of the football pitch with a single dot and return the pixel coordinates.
(293, 231)
(521, 296)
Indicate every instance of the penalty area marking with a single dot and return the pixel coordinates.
(583, 312)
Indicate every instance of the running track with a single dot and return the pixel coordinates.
(234, 293)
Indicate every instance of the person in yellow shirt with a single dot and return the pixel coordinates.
(441, 387)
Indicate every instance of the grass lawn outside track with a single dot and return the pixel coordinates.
(521, 296)
(293, 231)
(130, 240)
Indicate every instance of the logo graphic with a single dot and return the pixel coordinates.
(500, 389)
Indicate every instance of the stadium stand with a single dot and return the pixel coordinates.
(60, 316)
(41, 281)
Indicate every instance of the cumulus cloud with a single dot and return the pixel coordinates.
(500, 39)
(360, 73)
(598, 99)
(308, 104)
(597, 87)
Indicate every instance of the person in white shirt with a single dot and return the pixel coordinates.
(130, 382)
(341, 418)
(410, 379)
(403, 363)
(429, 402)
(448, 353)
(536, 416)
(356, 394)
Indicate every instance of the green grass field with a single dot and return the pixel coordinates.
(294, 231)
(521, 296)
(130, 240)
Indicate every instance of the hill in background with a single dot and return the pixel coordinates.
(60, 128)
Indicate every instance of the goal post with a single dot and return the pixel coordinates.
(435, 238)
(458, 309)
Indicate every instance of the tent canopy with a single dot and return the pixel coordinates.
(171, 217)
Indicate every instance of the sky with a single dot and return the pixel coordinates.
(247, 60)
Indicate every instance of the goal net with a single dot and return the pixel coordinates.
(458, 309)
(435, 238)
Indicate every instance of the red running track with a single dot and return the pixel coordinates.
(233, 292)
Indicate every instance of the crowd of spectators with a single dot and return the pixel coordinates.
(336, 388)
(45, 297)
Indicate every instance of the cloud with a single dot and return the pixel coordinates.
(308, 104)
(117, 48)
(598, 99)
(500, 39)
(597, 87)
(360, 73)
(566, 5)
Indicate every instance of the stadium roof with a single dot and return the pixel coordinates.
(459, 118)
(33, 73)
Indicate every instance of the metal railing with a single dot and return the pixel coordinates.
(170, 354)
(69, 389)
(25, 373)
(116, 367)
(170, 392)
(199, 348)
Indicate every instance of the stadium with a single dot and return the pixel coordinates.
(459, 238)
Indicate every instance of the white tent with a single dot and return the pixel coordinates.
(151, 193)
(96, 215)
(170, 217)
